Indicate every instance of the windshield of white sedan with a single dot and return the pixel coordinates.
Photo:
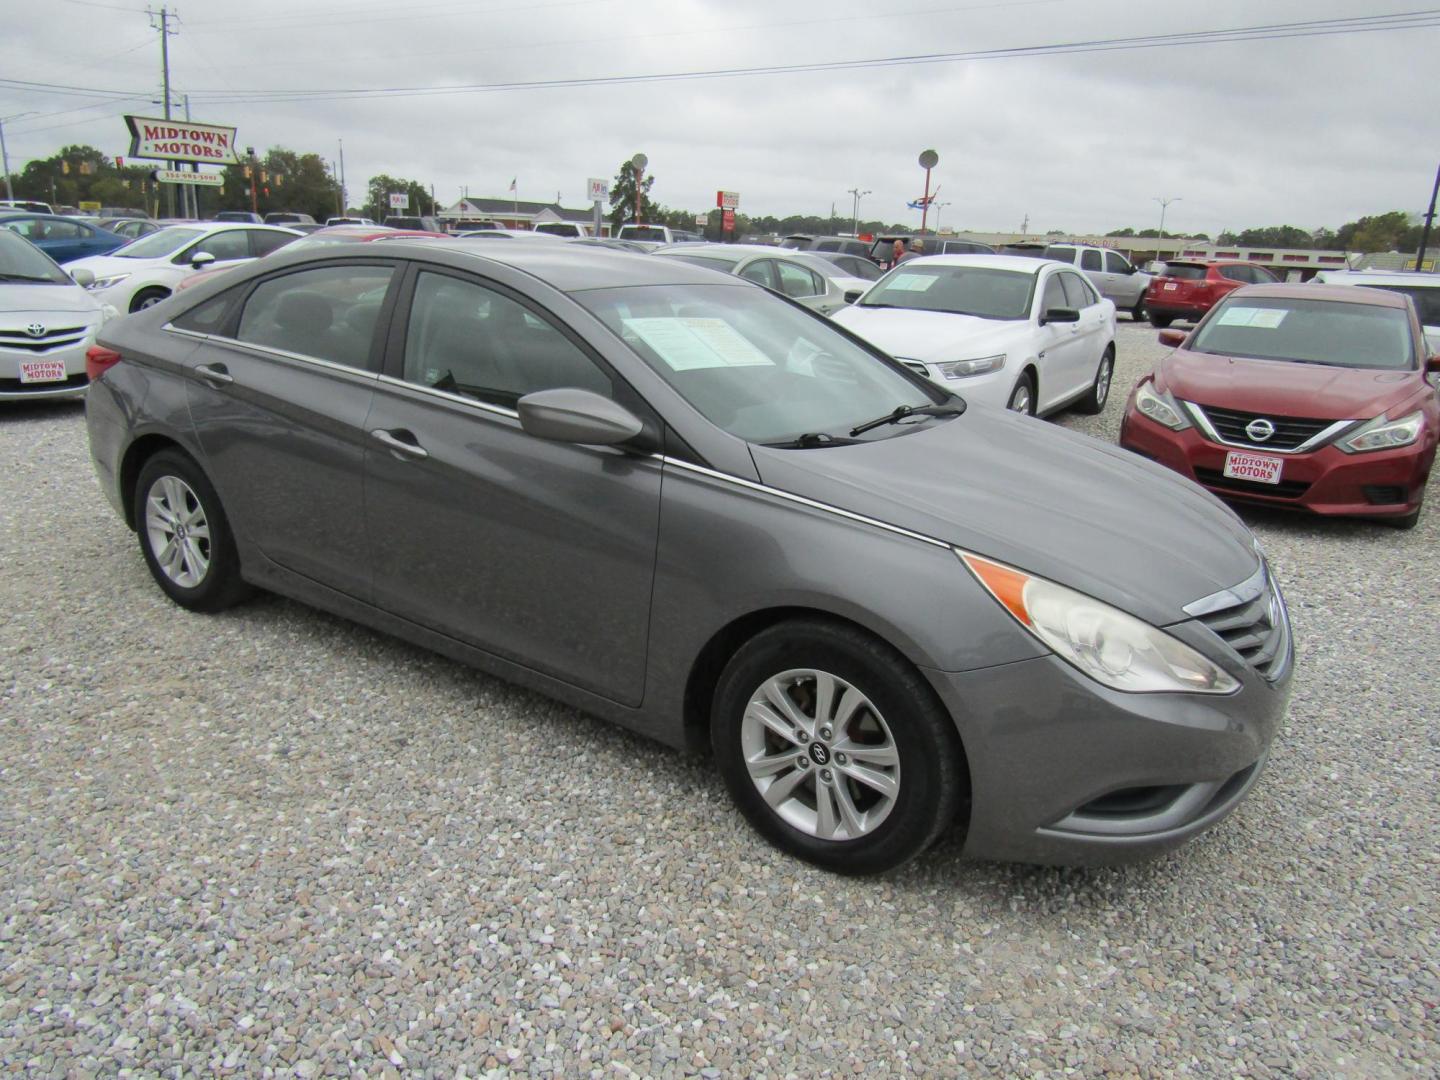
(958, 290)
(757, 367)
(22, 261)
(1336, 334)
(158, 244)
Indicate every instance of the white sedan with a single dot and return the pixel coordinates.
(147, 270)
(47, 321)
(1025, 334)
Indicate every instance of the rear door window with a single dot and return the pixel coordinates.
(1116, 263)
(225, 246)
(1237, 273)
(263, 242)
(762, 272)
(1089, 260)
(328, 313)
(1078, 292)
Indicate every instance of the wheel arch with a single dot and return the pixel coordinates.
(136, 455)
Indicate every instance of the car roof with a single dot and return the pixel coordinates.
(1310, 291)
(1382, 277)
(1022, 264)
(567, 267)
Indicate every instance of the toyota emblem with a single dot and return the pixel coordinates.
(35, 329)
(1259, 430)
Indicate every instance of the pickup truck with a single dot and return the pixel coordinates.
(1109, 271)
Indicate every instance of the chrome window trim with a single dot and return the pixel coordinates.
(1200, 420)
(762, 489)
(279, 354)
(445, 395)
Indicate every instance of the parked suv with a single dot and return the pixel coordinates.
(883, 248)
(1112, 273)
(423, 223)
(288, 217)
(655, 235)
(1187, 290)
(827, 245)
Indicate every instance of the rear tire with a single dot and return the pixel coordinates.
(147, 298)
(185, 536)
(1161, 322)
(835, 748)
(1093, 403)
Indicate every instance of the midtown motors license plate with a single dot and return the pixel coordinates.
(32, 371)
(1257, 468)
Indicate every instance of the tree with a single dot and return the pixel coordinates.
(622, 197)
(1380, 232)
(1127, 231)
(377, 205)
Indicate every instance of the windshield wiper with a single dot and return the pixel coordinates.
(901, 412)
(880, 305)
(811, 440)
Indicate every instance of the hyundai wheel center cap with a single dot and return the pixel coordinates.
(820, 753)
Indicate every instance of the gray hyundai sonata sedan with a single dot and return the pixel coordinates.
(684, 504)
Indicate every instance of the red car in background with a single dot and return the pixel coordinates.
(333, 234)
(1312, 397)
(1187, 290)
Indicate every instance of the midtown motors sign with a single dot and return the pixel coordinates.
(177, 140)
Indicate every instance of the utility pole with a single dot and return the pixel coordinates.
(1025, 225)
(855, 210)
(165, 32)
(5, 156)
(344, 195)
(1424, 232)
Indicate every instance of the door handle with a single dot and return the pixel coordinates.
(215, 374)
(406, 446)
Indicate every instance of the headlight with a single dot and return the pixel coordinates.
(961, 369)
(106, 282)
(1160, 407)
(1111, 647)
(1383, 434)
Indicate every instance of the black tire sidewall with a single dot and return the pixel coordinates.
(144, 294)
(1027, 381)
(222, 584)
(931, 772)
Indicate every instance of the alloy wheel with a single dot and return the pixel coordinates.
(1020, 399)
(178, 531)
(820, 754)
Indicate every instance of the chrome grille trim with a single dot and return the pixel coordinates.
(1251, 620)
(1202, 421)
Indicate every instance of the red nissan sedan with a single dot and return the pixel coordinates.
(1306, 396)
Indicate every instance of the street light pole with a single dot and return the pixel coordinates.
(855, 217)
(938, 205)
(1165, 205)
(5, 155)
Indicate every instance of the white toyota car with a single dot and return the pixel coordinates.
(146, 271)
(1031, 335)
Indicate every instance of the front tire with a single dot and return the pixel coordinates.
(1022, 397)
(1138, 312)
(1094, 400)
(147, 298)
(834, 747)
(185, 536)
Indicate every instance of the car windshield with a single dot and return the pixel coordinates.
(1426, 297)
(158, 244)
(22, 261)
(961, 290)
(754, 365)
(1330, 332)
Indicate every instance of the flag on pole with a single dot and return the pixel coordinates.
(513, 182)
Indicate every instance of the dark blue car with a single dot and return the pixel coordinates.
(64, 239)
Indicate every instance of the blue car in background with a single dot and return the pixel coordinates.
(64, 239)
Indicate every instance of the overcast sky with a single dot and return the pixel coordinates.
(1307, 131)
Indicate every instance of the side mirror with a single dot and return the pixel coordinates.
(1059, 315)
(201, 259)
(82, 277)
(571, 415)
(853, 295)
(1173, 338)
(1432, 361)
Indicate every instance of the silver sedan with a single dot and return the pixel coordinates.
(777, 269)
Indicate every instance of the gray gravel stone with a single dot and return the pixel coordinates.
(272, 843)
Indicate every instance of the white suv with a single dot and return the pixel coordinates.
(1110, 272)
(1424, 289)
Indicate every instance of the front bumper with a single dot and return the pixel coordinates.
(1383, 483)
(72, 356)
(1066, 771)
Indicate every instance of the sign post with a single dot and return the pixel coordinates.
(399, 200)
(928, 160)
(638, 163)
(728, 202)
(598, 191)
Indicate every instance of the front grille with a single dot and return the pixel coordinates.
(1285, 489)
(51, 339)
(1383, 495)
(1290, 431)
(1256, 629)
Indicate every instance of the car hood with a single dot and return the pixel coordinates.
(110, 265)
(1056, 503)
(1314, 391)
(932, 336)
(40, 299)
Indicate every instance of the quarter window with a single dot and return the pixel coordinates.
(473, 341)
(760, 272)
(798, 282)
(328, 313)
(1236, 273)
(209, 317)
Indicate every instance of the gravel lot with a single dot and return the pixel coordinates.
(273, 841)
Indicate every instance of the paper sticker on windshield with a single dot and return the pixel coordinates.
(1261, 318)
(911, 282)
(689, 344)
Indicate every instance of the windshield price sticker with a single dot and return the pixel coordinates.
(1261, 318)
(911, 282)
(691, 344)
(1257, 468)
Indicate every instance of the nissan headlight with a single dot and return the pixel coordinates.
(1384, 434)
(1111, 647)
(963, 369)
(1160, 407)
(106, 282)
